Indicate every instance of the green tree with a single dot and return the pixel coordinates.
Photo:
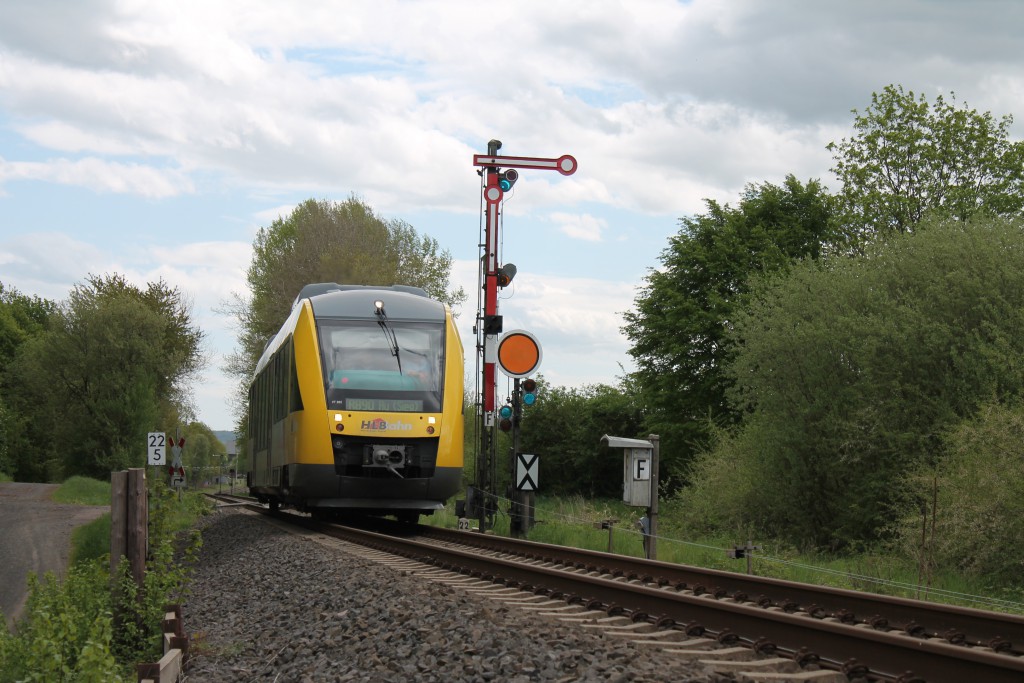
(851, 370)
(679, 329)
(179, 343)
(21, 318)
(204, 455)
(110, 367)
(564, 427)
(907, 158)
(323, 241)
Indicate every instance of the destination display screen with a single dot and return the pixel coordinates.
(385, 405)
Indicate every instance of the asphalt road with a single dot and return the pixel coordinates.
(35, 536)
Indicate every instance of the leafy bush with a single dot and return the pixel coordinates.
(138, 623)
(66, 632)
(973, 501)
(848, 372)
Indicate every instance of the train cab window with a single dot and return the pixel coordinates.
(399, 368)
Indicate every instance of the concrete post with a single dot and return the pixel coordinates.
(653, 510)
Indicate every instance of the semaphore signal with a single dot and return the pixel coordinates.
(521, 350)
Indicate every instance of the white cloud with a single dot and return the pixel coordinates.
(663, 104)
(49, 264)
(101, 176)
(580, 226)
(240, 109)
(268, 216)
(65, 137)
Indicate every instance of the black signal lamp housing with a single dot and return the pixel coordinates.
(506, 273)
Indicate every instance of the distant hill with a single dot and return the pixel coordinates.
(227, 438)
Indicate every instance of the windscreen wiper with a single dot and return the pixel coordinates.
(389, 334)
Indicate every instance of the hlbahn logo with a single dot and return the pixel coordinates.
(381, 425)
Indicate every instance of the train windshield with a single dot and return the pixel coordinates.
(394, 367)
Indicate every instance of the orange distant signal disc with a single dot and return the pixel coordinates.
(519, 353)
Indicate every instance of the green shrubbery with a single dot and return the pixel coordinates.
(89, 629)
(971, 503)
(66, 634)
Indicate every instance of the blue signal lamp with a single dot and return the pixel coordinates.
(507, 179)
(505, 412)
(529, 392)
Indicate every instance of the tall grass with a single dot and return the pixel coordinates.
(91, 541)
(83, 491)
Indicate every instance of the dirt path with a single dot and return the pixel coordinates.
(35, 536)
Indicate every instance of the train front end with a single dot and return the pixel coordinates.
(390, 380)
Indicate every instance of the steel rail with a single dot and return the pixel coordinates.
(856, 650)
(957, 625)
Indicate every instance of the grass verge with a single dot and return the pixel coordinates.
(83, 491)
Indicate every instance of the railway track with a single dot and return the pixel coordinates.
(856, 636)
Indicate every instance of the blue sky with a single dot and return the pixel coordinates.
(154, 139)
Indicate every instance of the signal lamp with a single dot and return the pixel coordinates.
(506, 273)
(505, 425)
(492, 324)
(506, 179)
(529, 392)
(506, 411)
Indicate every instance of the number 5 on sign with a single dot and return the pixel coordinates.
(157, 442)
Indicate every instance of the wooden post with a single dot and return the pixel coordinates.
(138, 524)
(118, 520)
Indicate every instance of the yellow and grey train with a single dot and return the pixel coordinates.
(356, 404)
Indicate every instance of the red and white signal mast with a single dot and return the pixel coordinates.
(499, 175)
